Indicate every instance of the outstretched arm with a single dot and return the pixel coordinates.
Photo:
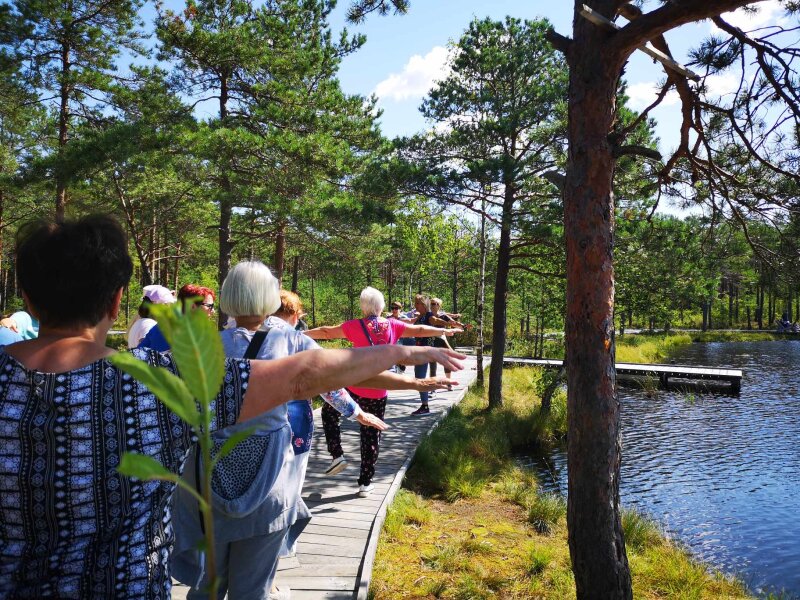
(427, 331)
(326, 332)
(393, 381)
(307, 374)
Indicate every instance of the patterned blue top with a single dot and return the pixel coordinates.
(70, 525)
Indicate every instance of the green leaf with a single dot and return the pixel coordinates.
(231, 443)
(198, 353)
(167, 387)
(145, 467)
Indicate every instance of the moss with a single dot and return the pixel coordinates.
(474, 525)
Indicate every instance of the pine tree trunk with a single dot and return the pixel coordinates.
(481, 292)
(63, 132)
(295, 272)
(597, 548)
(280, 252)
(500, 301)
(225, 208)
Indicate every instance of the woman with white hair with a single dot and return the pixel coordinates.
(372, 330)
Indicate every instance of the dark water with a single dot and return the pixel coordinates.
(720, 473)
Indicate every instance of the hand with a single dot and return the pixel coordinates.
(368, 420)
(10, 323)
(430, 384)
(419, 355)
(452, 332)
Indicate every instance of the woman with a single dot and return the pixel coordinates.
(202, 297)
(372, 330)
(448, 321)
(422, 304)
(253, 520)
(152, 294)
(72, 526)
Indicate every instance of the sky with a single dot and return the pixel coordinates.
(405, 54)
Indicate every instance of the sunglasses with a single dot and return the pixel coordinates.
(208, 305)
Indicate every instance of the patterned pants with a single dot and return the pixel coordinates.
(370, 437)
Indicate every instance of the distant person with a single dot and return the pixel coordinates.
(141, 326)
(202, 298)
(23, 323)
(449, 321)
(426, 318)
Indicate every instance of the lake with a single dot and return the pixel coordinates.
(720, 473)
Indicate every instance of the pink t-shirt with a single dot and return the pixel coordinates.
(381, 331)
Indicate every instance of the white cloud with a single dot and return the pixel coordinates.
(769, 13)
(643, 94)
(417, 77)
(722, 84)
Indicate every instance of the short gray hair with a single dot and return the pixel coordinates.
(250, 289)
(372, 302)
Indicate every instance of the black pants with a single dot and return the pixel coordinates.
(370, 437)
(438, 343)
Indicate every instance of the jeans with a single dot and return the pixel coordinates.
(420, 372)
(246, 568)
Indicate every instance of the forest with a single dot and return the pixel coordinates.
(100, 113)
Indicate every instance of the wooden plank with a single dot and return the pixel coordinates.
(321, 595)
(326, 559)
(319, 583)
(343, 523)
(332, 540)
(355, 551)
(337, 531)
(325, 570)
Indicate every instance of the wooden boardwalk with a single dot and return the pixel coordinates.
(663, 372)
(336, 550)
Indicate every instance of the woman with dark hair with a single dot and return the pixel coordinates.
(72, 526)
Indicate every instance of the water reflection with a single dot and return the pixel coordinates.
(720, 472)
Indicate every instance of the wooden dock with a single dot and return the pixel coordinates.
(660, 371)
(336, 551)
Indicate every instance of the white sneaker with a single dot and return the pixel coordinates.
(365, 490)
(338, 465)
(280, 593)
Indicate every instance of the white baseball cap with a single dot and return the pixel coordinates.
(158, 294)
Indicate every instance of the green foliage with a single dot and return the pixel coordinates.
(471, 446)
(545, 511)
(406, 508)
(640, 531)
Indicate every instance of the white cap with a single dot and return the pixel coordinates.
(158, 294)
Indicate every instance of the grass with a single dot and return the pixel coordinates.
(472, 525)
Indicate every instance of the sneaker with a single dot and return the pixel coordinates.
(422, 410)
(365, 490)
(338, 465)
(280, 593)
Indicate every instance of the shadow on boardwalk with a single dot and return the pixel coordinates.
(333, 561)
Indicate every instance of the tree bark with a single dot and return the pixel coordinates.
(280, 252)
(596, 543)
(63, 132)
(225, 207)
(481, 292)
(295, 272)
(500, 310)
